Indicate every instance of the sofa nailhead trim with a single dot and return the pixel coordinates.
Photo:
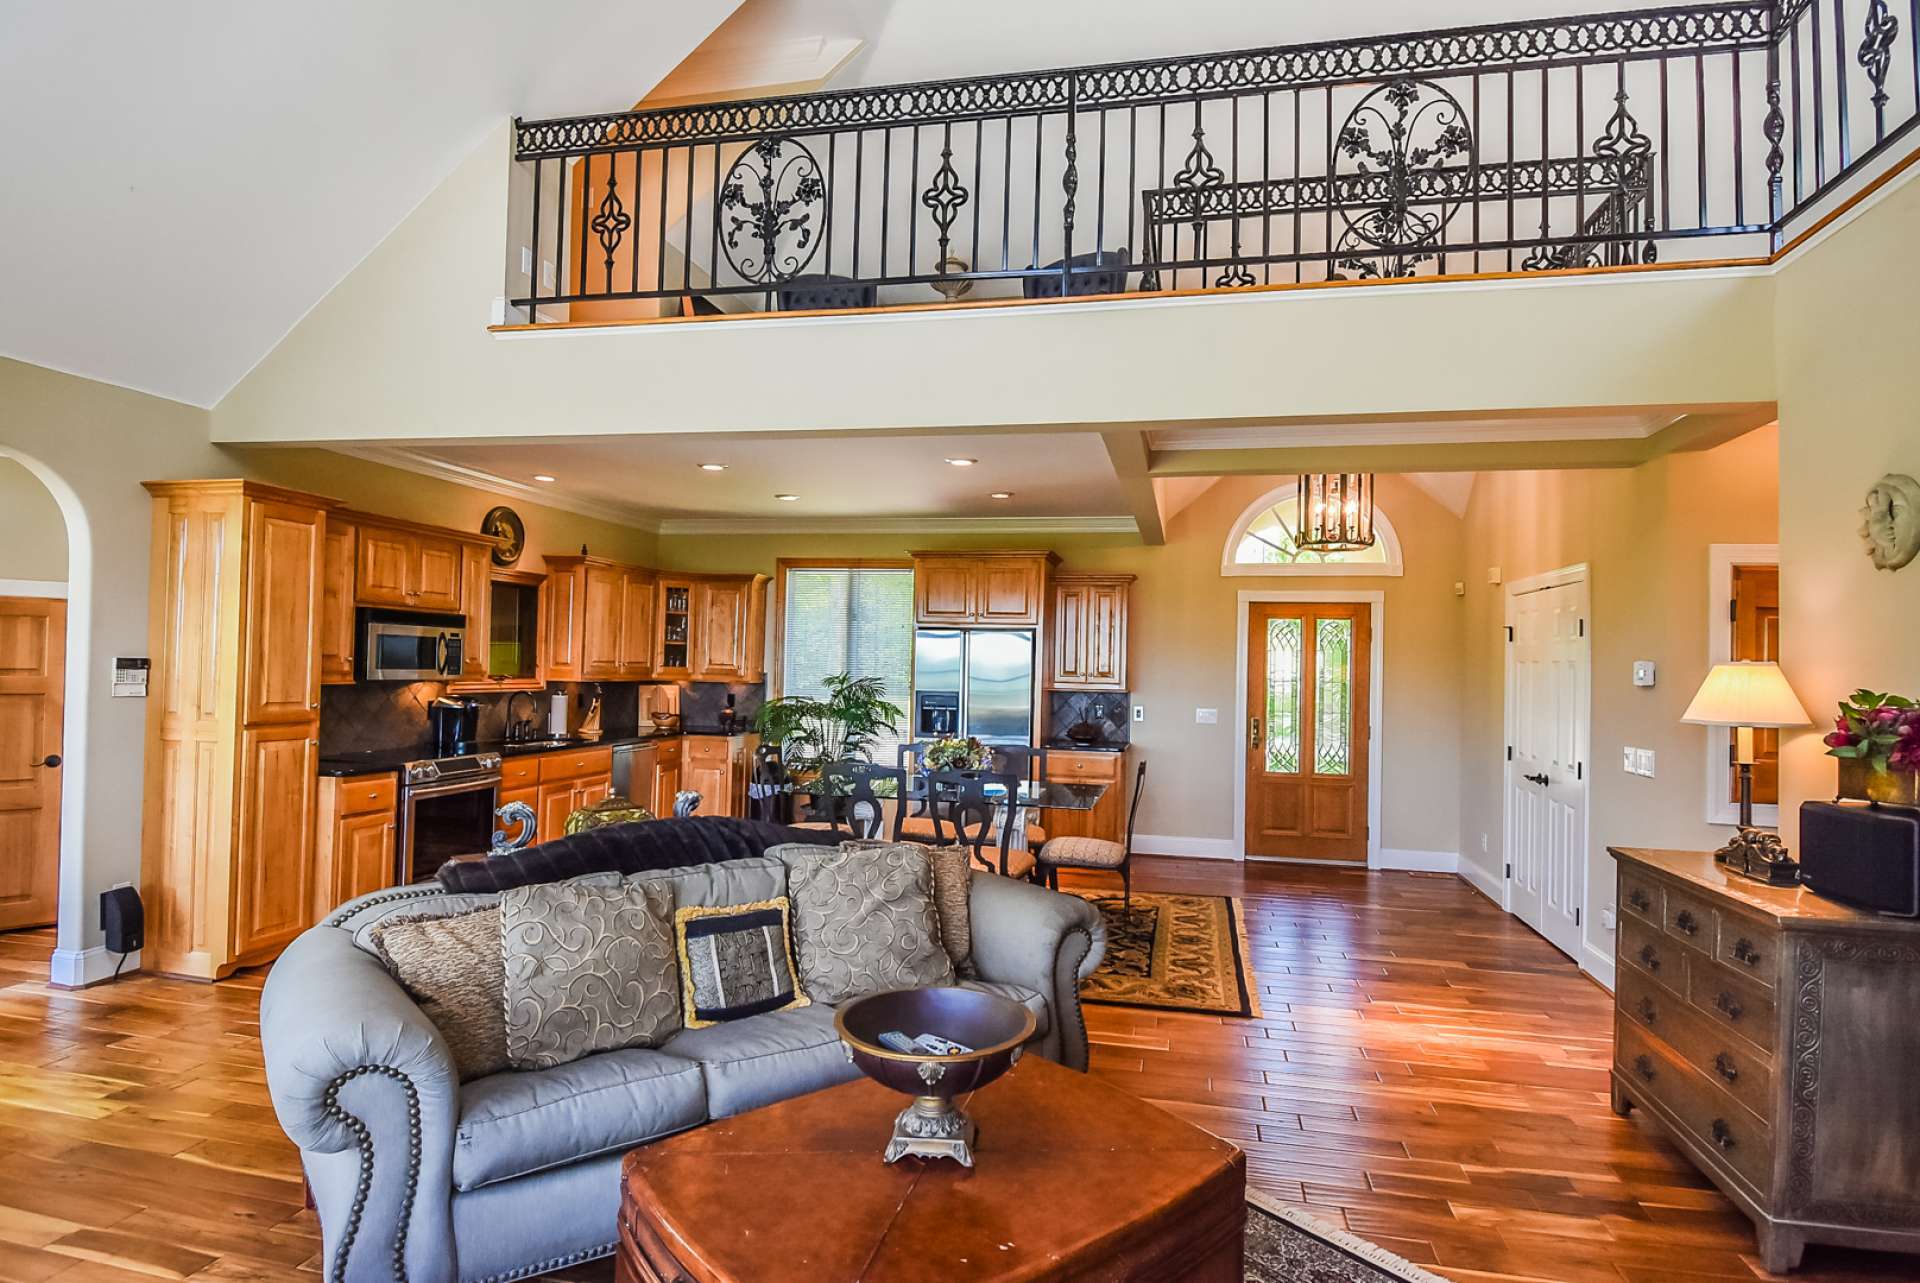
(410, 893)
(363, 1141)
(553, 1263)
(1079, 1014)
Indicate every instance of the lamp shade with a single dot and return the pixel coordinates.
(1745, 694)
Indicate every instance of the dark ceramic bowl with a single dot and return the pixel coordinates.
(993, 1026)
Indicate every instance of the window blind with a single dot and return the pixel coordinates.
(850, 621)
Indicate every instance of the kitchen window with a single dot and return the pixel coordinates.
(854, 619)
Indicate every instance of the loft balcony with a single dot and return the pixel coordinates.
(1699, 134)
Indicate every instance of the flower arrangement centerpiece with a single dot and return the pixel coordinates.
(957, 755)
(1877, 739)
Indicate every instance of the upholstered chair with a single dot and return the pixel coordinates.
(1097, 853)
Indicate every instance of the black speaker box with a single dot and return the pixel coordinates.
(1863, 855)
(123, 919)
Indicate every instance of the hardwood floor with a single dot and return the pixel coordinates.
(1428, 1073)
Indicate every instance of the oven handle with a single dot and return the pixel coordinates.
(441, 788)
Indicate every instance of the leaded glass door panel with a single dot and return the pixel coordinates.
(1308, 715)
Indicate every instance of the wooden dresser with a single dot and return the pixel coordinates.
(1776, 1036)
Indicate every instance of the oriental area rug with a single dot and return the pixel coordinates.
(1174, 953)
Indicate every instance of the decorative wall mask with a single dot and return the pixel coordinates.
(1890, 521)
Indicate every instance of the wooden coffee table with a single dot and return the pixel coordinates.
(1073, 1179)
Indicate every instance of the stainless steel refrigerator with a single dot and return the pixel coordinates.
(976, 682)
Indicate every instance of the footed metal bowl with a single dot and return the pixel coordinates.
(992, 1027)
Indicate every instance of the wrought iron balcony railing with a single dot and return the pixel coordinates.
(1698, 132)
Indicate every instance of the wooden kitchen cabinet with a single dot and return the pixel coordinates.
(476, 600)
(520, 782)
(569, 780)
(230, 803)
(716, 767)
(1108, 818)
(507, 637)
(336, 603)
(667, 776)
(599, 620)
(1088, 624)
(407, 567)
(729, 629)
(354, 850)
(991, 589)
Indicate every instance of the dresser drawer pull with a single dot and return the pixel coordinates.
(1649, 958)
(1687, 922)
(1728, 1004)
(1743, 951)
(1724, 1066)
(1722, 1134)
(1647, 1011)
(1643, 1065)
(1638, 900)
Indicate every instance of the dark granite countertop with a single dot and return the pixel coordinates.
(382, 761)
(1069, 746)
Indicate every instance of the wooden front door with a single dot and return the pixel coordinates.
(1308, 703)
(1756, 635)
(33, 669)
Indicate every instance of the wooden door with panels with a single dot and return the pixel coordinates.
(1754, 615)
(1309, 705)
(33, 666)
(1546, 791)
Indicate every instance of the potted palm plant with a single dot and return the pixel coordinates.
(812, 732)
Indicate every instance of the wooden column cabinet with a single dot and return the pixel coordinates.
(1089, 630)
(599, 620)
(1109, 817)
(992, 589)
(229, 806)
(354, 851)
(336, 603)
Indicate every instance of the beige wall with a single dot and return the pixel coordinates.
(1643, 532)
(92, 445)
(1849, 334)
(1183, 624)
(33, 534)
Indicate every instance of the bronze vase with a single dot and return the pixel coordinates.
(1858, 779)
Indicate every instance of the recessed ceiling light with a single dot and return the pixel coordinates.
(713, 467)
(1001, 494)
(541, 476)
(963, 462)
(787, 498)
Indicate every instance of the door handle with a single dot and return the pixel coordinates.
(1540, 779)
(50, 760)
(1253, 732)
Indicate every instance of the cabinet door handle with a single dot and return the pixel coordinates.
(1687, 922)
(1722, 1134)
(1724, 1066)
(1728, 1004)
(1743, 951)
(1644, 1065)
(1649, 958)
(1638, 900)
(50, 760)
(1647, 1011)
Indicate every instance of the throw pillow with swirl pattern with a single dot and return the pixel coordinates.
(588, 968)
(864, 921)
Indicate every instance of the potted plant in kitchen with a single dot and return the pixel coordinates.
(811, 732)
(1877, 739)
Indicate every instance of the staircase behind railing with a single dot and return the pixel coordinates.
(1711, 132)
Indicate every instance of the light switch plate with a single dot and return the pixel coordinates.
(1206, 716)
(1139, 712)
(1643, 672)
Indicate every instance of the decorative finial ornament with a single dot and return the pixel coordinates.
(1890, 521)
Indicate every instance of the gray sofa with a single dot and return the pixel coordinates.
(418, 1177)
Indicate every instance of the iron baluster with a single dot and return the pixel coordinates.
(945, 197)
(913, 224)
(1070, 184)
(1739, 153)
(534, 260)
(1876, 56)
(1774, 128)
(1840, 83)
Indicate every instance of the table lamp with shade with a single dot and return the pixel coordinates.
(1747, 695)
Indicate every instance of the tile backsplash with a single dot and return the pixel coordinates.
(701, 702)
(371, 716)
(1106, 709)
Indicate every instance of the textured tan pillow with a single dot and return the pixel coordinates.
(588, 968)
(451, 966)
(864, 922)
(952, 889)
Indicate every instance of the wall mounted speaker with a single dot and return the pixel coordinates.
(123, 919)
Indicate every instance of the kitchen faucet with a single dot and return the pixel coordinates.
(519, 728)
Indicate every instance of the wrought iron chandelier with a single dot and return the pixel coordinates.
(1336, 512)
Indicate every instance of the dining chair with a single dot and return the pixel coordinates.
(770, 788)
(960, 801)
(1030, 764)
(846, 796)
(1097, 853)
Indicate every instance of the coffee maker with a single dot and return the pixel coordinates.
(454, 724)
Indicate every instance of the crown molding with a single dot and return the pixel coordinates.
(428, 466)
(897, 525)
(1283, 436)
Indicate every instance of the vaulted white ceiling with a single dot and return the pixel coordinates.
(185, 179)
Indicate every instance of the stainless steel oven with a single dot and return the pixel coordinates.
(446, 809)
(410, 645)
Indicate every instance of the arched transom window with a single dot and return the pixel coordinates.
(1262, 543)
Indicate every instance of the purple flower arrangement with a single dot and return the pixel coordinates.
(1881, 730)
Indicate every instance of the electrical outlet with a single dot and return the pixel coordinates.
(1139, 712)
(1607, 918)
(1206, 716)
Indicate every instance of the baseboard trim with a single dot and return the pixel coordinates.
(1596, 964)
(1483, 881)
(79, 968)
(1190, 848)
(1411, 861)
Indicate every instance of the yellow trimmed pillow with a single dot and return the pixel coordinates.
(736, 961)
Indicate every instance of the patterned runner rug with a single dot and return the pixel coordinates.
(1285, 1245)
(1174, 953)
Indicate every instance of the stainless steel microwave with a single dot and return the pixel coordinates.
(410, 645)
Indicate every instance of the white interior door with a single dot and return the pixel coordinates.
(1546, 786)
